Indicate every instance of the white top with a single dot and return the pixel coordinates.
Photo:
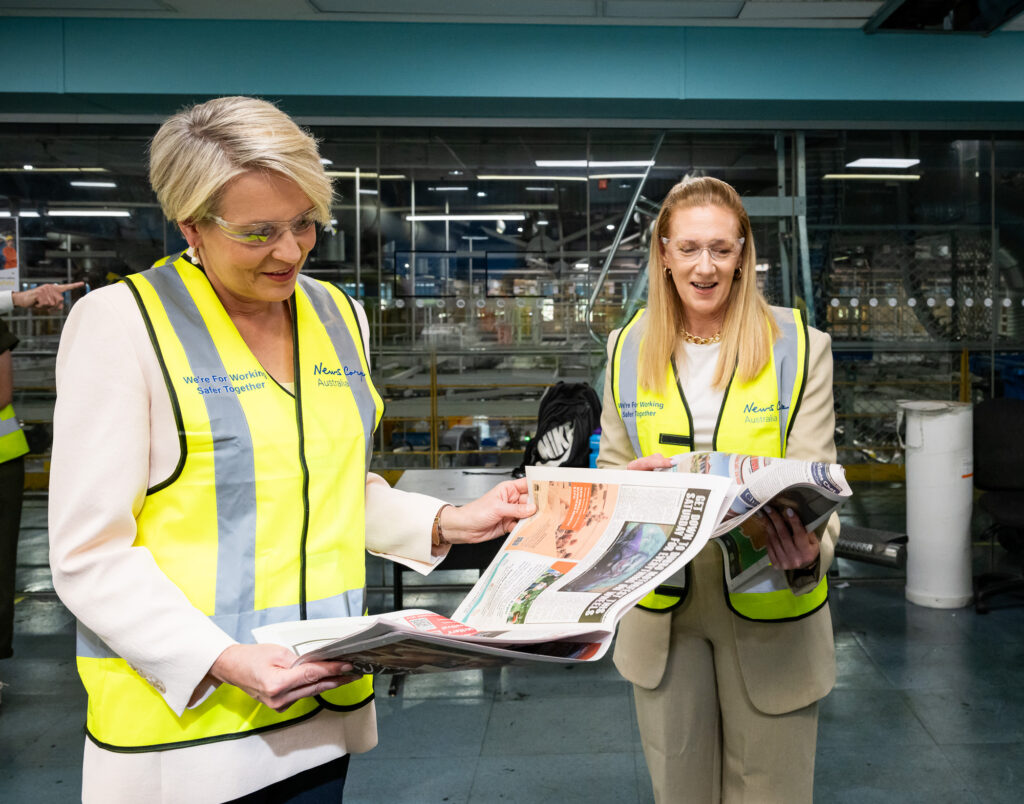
(6, 301)
(696, 365)
(114, 437)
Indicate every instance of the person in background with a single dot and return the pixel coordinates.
(10, 254)
(726, 685)
(212, 440)
(13, 448)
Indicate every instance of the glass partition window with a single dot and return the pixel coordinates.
(492, 262)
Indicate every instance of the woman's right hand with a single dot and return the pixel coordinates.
(649, 463)
(265, 672)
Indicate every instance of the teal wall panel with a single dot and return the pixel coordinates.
(805, 64)
(312, 58)
(125, 66)
(33, 54)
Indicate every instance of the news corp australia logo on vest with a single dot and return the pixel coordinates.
(339, 376)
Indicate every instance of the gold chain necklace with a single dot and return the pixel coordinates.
(691, 338)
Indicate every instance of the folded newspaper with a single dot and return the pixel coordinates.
(601, 539)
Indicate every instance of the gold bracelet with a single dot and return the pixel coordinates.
(436, 533)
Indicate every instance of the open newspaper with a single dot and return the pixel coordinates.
(600, 540)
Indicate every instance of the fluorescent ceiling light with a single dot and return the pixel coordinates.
(513, 177)
(325, 161)
(541, 189)
(30, 168)
(351, 174)
(88, 213)
(367, 191)
(871, 177)
(617, 176)
(449, 189)
(93, 184)
(582, 163)
(491, 216)
(560, 163)
(883, 163)
(634, 163)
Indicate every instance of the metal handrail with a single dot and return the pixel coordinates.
(615, 243)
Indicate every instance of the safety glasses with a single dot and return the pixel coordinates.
(689, 251)
(266, 233)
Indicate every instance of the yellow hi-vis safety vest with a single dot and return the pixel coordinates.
(262, 520)
(755, 419)
(12, 438)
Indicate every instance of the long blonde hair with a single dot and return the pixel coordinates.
(748, 331)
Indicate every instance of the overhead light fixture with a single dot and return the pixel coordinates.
(88, 213)
(491, 216)
(33, 169)
(869, 162)
(514, 177)
(542, 223)
(367, 191)
(449, 189)
(351, 174)
(325, 161)
(871, 177)
(93, 184)
(481, 194)
(617, 176)
(560, 163)
(540, 189)
(583, 163)
(634, 163)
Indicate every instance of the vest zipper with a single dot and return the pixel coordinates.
(302, 457)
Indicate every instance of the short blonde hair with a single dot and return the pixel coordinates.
(749, 329)
(200, 149)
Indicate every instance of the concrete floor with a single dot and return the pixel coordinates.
(929, 705)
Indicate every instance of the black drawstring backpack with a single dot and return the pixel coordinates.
(569, 412)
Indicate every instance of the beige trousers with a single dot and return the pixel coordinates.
(702, 737)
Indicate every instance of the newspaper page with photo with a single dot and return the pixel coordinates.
(599, 542)
(601, 539)
(813, 489)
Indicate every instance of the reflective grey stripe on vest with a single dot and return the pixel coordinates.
(629, 359)
(348, 354)
(239, 626)
(8, 421)
(787, 363)
(233, 461)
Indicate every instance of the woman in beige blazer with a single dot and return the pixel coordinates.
(727, 706)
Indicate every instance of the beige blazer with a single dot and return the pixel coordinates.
(786, 665)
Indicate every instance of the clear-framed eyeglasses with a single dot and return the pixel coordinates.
(722, 252)
(266, 233)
